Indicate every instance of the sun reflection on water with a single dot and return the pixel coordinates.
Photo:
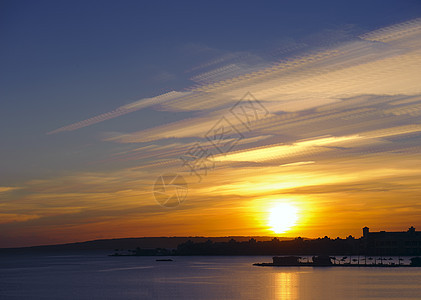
(286, 285)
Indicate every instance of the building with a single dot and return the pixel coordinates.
(286, 261)
(391, 243)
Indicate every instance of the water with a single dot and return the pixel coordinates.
(102, 277)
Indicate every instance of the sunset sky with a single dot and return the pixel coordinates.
(283, 110)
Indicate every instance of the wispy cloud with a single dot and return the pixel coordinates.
(385, 62)
(4, 189)
(340, 140)
(122, 110)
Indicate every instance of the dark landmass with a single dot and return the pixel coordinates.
(300, 246)
(125, 244)
(395, 243)
(275, 246)
(401, 243)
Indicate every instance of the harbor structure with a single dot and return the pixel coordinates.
(381, 243)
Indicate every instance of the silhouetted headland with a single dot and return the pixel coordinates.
(382, 243)
(406, 243)
(149, 245)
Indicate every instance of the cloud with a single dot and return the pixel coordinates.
(122, 110)
(339, 137)
(4, 189)
(385, 62)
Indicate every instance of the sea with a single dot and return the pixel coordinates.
(98, 276)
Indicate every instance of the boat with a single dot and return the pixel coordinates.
(164, 259)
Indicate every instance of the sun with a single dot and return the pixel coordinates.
(282, 217)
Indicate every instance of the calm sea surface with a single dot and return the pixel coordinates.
(102, 277)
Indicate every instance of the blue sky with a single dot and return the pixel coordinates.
(63, 62)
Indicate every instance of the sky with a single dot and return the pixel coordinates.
(208, 118)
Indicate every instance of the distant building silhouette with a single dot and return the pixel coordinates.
(391, 243)
(382, 243)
